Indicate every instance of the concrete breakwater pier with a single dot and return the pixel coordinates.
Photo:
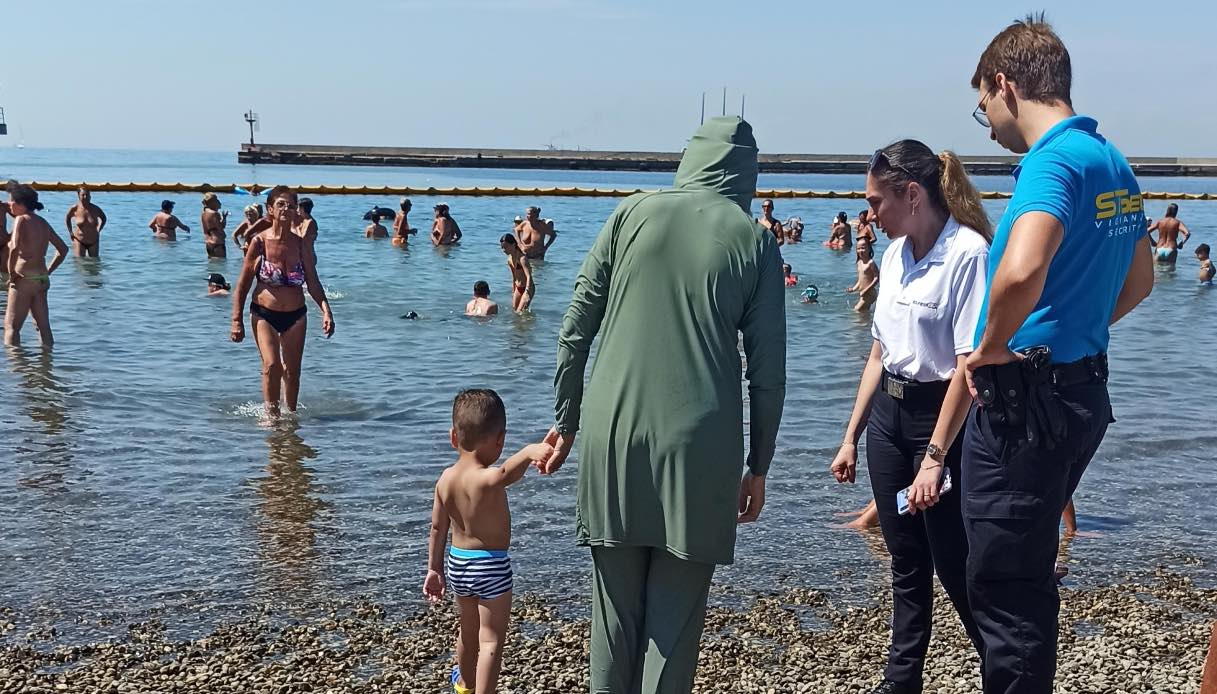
(444, 157)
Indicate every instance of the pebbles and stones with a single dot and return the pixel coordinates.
(1148, 635)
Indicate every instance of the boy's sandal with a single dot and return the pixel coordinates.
(456, 682)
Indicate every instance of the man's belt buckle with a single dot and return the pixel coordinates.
(895, 389)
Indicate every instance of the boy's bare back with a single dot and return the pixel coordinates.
(476, 505)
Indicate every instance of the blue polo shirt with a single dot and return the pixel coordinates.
(1077, 176)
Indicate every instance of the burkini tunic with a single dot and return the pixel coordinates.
(673, 279)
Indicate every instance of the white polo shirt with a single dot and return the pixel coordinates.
(927, 310)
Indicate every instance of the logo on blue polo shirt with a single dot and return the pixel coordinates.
(1119, 213)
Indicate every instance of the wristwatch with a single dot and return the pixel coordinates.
(933, 451)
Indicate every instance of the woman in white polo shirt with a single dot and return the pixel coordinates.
(913, 398)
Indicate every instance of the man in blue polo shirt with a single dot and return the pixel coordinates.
(1070, 257)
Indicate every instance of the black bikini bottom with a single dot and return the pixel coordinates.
(281, 321)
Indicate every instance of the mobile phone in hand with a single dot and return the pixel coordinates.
(902, 497)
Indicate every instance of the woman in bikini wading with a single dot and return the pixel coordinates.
(278, 265)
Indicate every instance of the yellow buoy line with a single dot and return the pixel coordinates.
(257, 189)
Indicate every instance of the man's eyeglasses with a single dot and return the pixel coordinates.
(880, 158)
(980, 115)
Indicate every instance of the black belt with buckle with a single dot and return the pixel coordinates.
(1092, 369)
(903, 388)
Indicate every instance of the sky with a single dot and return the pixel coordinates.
(842, 77)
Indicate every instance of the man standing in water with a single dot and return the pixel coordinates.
(1166, 248)
(29, 278)
(535, 235)
(85, 221)
(1070, 257)
(213, 223)
(673, 278)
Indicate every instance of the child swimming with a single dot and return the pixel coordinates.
(1206, 264)
(471, 500)
(792, 280)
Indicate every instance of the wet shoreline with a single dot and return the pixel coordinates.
(1149, 633)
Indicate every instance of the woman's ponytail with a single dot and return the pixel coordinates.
(961, 197)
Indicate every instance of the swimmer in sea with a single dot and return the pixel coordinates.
(29, 277)
(444, 230)
(1206, 265)
(401, 226)
(867, 285)
(164, 225)
(307, 229)
(480, 304)
(793, 229)
(522, 286)
(216, 286)
(244, 231)
(85, 221)
(791, 279)
(811, 294)
(4, 242)
(375, 230)
(1166, 248)
(535, 235)
(841, 238)
(213, 223)
(866, 230)
(770, 222)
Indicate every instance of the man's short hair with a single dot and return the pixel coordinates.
(477, 414)
(480, 288)
(1029, 53)
(1202, 248)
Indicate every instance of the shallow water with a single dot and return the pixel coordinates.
(136, 474)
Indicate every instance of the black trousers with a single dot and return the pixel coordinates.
(1013, 498)
(922, 544)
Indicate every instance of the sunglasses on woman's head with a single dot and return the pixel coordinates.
(880, 157)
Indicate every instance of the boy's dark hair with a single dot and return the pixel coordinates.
(375, 218)
(166, 205)
(480, 288)
(1202, 248)
(477, 414)
(508, 239)
(1029, 53)
(306, 204)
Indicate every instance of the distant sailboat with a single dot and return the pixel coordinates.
(20, 138)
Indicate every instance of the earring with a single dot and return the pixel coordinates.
(914, 210)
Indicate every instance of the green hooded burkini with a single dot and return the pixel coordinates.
(672, 280)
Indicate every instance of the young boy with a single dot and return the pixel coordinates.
(1206, 266)
(788, 272)
(480, 304)
(522, 286)
(471, 498)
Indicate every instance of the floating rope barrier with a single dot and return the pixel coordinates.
(257, 189)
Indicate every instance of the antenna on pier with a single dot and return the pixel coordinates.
(742, 99)
(703, 108)
(724, 101)
(252, 119)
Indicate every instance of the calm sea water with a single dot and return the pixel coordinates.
(136, 475)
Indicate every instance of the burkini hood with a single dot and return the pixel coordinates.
(670, 283)
(721, 157)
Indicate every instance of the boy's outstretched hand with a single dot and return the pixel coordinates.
(560, 447)
(433, 586)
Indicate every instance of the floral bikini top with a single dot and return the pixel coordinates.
(272, 275)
